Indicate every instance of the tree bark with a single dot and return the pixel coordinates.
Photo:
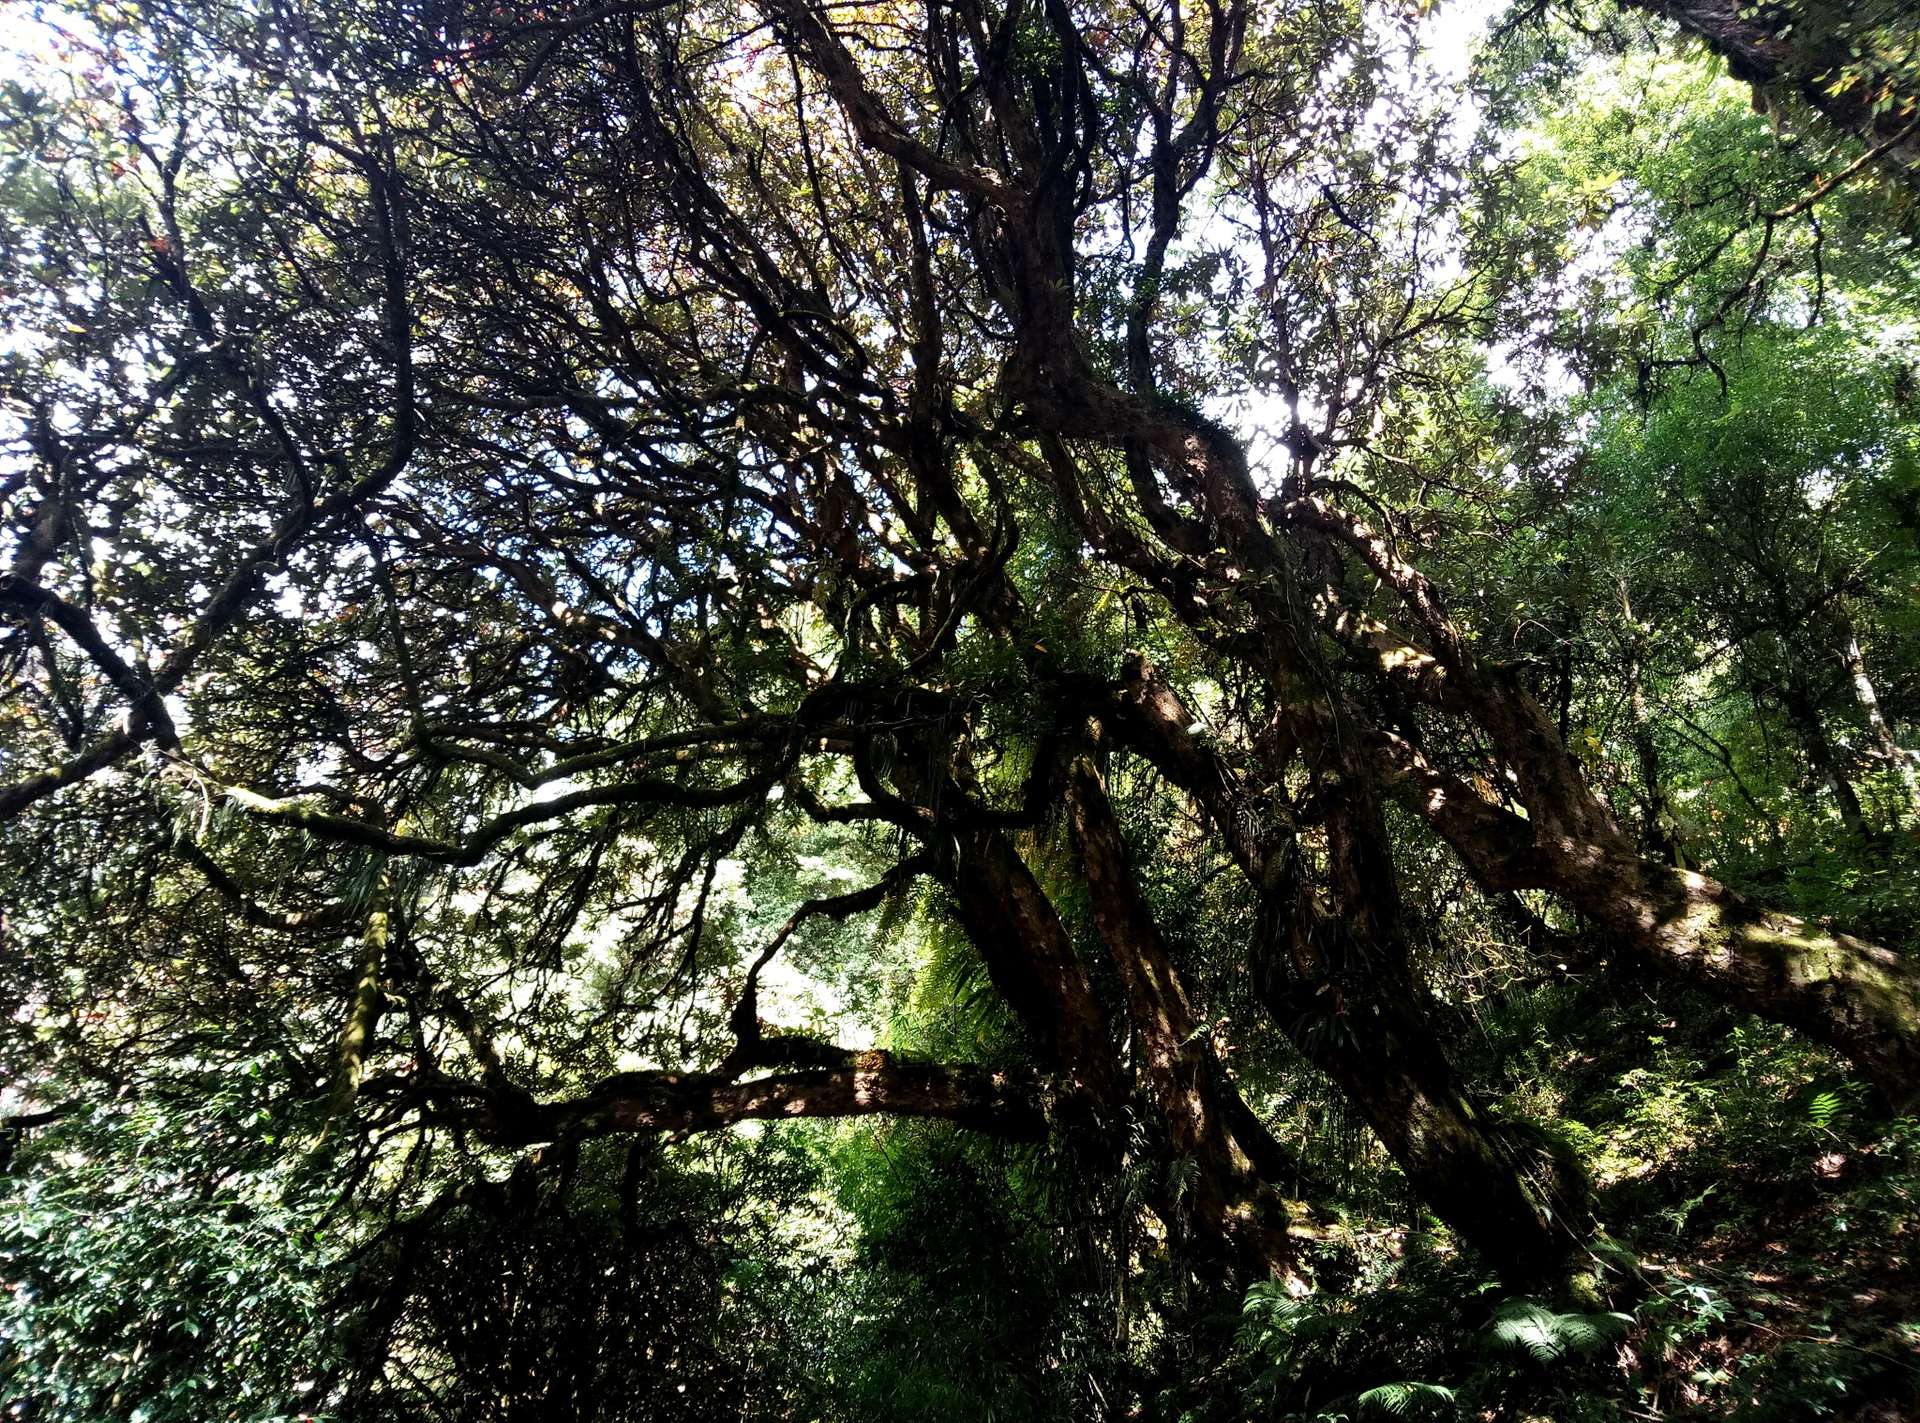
(1807, 60)
(1859, 998)
(1228, 1203)
(1856, 997)
(1033, 963)
(367, 1005)
(1803, 714)
(1345, 995)
(866, 1084)
(1898, 759)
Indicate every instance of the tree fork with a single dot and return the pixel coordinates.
(1859, 998)
(1395, 1072)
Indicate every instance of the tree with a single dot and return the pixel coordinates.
(525, 519)
(1851, 63)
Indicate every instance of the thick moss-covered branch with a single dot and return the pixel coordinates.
(1861, 999)
(865, 1084)
(366, 1004)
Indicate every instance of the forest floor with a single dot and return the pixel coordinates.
(1774, 1224)
(1763, 1265)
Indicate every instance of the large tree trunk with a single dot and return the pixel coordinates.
(860, 1084)
(1803, 714)
(1228, 1202)
(1223, 1208)
(1344, 994)
(1859, 998)
(1347, 997)
(1032, 962)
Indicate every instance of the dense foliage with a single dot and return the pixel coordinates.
(960, 710)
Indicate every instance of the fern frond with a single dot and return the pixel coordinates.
(1546, 1334)
(1406, 1400)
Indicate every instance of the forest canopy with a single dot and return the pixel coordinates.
(1017, 709)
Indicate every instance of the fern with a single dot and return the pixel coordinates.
(1274, 1323)
(1406, 1400)
(1611, 1252)
(1824, 1107)
(1529, 1326)
(955, 988)
(1181, 1174)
